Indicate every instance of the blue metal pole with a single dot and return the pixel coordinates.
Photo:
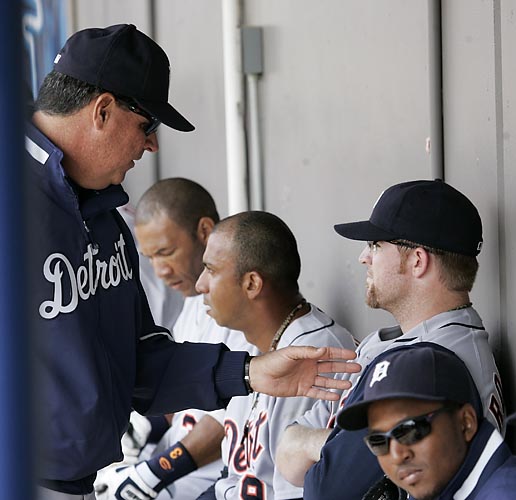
(16, 460)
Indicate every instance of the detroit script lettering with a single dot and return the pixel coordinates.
(84, 281)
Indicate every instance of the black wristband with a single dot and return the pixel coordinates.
(247, 380)
(172, 464)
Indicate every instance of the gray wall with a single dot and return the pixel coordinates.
(479, 126)
(345, 111)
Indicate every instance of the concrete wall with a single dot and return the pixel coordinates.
(479, 127)
(345, 110)
(506, 150)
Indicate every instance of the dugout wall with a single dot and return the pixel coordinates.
(346, 107)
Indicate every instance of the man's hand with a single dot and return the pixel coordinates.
(300, 371)
(124, 483)
(135, 438)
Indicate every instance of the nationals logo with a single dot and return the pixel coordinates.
(84, 281)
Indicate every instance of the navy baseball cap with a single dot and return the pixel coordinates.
(423, 371)
(125, 61)
(430, 213)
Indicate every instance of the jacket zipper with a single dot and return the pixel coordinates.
(93, 243)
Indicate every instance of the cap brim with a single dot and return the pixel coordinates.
(354, 417)
(363, 231)
(167, 115)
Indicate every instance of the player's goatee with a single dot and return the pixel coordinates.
(372, 297)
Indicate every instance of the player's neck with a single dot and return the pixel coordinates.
(430, 306)
(272, 320)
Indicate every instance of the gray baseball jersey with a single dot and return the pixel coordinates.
(249, 455)
(461, 331)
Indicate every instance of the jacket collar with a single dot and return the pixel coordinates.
(54, 181)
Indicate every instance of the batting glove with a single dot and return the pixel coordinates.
(128, 483)
(135, 438)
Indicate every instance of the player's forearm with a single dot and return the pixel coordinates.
(298, 449)
(203, 441)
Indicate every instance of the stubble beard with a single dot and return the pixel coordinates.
(372, 297)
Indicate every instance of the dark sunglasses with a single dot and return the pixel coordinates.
(407, 432)
(131, 105)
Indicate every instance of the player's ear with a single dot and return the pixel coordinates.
(252, 284)
(469, 422)
(204, 229)
(102, 108)
(419, 259)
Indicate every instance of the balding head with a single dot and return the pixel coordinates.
(182, 200)
(173, 221)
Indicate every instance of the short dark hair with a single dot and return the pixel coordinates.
(64, 95)
(182, 200)
(265, 244)
(456, 271)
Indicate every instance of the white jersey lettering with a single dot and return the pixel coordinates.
(85, 281)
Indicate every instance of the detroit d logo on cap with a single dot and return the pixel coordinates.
(380, 372)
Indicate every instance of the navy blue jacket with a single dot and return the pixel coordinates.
(97, 350)
(488, 472)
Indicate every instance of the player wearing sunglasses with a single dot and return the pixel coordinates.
(426, 428)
